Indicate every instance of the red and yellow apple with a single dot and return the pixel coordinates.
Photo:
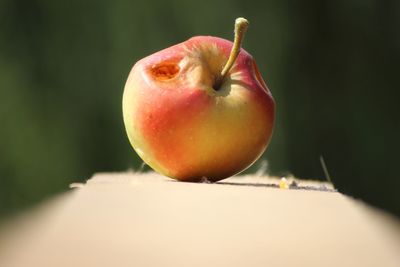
(188, 120)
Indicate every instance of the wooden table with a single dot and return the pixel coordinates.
(128, 219)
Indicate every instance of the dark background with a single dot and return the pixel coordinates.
(332, 66)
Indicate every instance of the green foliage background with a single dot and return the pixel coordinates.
(333, 68)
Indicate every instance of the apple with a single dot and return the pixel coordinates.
(199, 109)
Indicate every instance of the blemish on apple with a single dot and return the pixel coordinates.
(165, 71)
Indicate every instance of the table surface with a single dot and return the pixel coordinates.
(132, 219)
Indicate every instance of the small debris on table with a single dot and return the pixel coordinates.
(283, 184)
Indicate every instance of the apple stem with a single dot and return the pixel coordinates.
(241, 25)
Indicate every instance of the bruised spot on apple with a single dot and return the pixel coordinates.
(198, 109)
(165, 71)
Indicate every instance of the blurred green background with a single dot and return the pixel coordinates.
(332, 66)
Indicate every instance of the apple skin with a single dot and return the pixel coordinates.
(185, 129)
